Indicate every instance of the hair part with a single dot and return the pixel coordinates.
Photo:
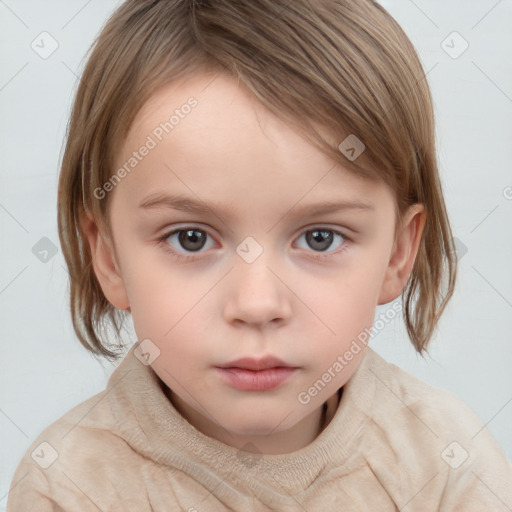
(328, 67)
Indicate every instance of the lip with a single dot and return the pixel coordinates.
(253, 363)
(252, 374)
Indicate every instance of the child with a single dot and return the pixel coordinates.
(249, 180)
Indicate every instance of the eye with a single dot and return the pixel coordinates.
(187, 240)
(321, 239)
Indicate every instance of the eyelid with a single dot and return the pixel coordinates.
(185, 227)
(344, 231)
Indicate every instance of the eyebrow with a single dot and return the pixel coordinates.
(162, 201)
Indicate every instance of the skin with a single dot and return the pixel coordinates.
(295, 302)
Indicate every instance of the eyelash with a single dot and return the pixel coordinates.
(190, 257)
(166, 247)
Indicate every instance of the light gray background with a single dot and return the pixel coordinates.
(45, 371)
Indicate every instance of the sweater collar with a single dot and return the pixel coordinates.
(148, 421)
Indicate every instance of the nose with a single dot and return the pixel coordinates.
(256, 296)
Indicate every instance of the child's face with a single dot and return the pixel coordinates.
(248, 280)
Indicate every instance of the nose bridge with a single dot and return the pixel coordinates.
(256, 295)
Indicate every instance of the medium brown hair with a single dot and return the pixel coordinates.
(327, 66)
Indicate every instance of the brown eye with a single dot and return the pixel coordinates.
(188, 240)
(192, 239)
(319, 240)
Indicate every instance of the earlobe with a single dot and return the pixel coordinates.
(104, 263)
(403, 254)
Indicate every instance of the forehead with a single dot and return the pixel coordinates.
(204, 108)
(208, 133)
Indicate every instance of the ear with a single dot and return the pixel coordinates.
(403, 254)
(104, 264)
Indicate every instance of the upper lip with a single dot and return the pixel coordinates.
(253, 363)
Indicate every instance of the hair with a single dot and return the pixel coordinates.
(331, 68)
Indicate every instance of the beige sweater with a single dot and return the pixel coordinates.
(394, 443)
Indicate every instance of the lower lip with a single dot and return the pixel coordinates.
(256, 380)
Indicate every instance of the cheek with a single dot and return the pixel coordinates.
(346, 308)
(165, 310)
(346, 301)
(161, 295)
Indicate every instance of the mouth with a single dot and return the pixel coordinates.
(255, 364)
(252, 374)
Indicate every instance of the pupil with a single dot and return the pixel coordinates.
(321, 240)
(192, 240)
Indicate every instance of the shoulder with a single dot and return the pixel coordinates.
(78, 461)
(87, 425)
(398, 394)
(427, 436)
(52, 457)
